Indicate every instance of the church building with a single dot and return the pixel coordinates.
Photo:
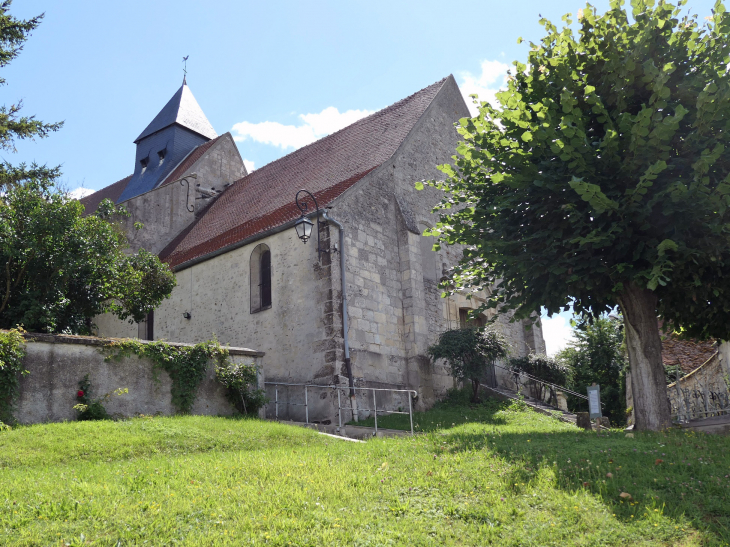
(244, 275)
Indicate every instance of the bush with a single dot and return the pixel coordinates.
(546, 369)
(471, 353)
(241, 381)
(93, 409)
(12, 352)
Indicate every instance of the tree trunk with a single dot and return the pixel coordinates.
(475, 390)
(649, 385)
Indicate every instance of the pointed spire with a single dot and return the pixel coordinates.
(185, 79)
(181, 109)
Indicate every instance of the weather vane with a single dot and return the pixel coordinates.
(185, 67)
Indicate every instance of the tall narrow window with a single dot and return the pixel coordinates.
(265, 279)
(260, 270)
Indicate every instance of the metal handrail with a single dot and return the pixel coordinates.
(536, 379)
(412, 394)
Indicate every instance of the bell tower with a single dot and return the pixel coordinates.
(177, 130)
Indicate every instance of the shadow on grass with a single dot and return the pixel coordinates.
(455, 410)
(674, 473)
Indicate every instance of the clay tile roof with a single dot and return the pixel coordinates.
(688, 354)
(188, 161)
(112, 192)
(265, 199)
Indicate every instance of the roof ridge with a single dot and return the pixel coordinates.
(361, 121)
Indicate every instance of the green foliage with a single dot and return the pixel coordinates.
(12, 352)
(605, 166)
(672, 372)
(543, 367)
(241, 381)
(598, 355)
(186, 365)
(93, 409)
(13, 126)
(62, 268)
(88, 408)
(471, 353)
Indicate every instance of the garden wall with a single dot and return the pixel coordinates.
(58, 362)
(703, 392)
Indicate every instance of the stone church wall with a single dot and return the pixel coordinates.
(395, 309)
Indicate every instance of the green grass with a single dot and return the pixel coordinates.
(514, 478)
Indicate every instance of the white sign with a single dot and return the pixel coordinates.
(594, 401)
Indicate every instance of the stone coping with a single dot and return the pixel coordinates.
(96, 341)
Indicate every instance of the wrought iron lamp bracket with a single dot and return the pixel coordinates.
(304, 209)
(190, 208)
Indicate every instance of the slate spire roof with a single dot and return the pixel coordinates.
(181, 109)
(264, 199)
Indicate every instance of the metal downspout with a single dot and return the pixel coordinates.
(345, 320)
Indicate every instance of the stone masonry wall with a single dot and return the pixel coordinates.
(164, 211)
(396, 310)
(57, 363)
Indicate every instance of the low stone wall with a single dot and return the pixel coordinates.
(702, 393)
(57, 363)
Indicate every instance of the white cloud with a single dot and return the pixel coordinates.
(557, 332)
(314, 126)
(80, 192)
(486, 84)
(249, 165)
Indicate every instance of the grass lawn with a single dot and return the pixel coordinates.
(499, 475)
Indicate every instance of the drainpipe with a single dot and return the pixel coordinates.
(345, 325)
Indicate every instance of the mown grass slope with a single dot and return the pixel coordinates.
(513, 478)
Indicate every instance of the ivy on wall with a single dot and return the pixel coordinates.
(12, 352)
(186, 365)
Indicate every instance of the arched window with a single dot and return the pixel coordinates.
(260, 267)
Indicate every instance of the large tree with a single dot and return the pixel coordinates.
(59, 268)
(13, 126)
(603, 178)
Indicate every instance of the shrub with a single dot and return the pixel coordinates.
(546, 369)
(471, 354)
(93, 409)
(12, 352)
(241, 380)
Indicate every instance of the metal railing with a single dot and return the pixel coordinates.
(703, 393)
(551, 387)
(564, 389)
(412, 394)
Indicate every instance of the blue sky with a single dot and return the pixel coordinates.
(275, 74)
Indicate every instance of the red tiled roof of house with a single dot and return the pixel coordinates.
(194, 155)
(688, 354)
(112, 192)
(265, 198)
